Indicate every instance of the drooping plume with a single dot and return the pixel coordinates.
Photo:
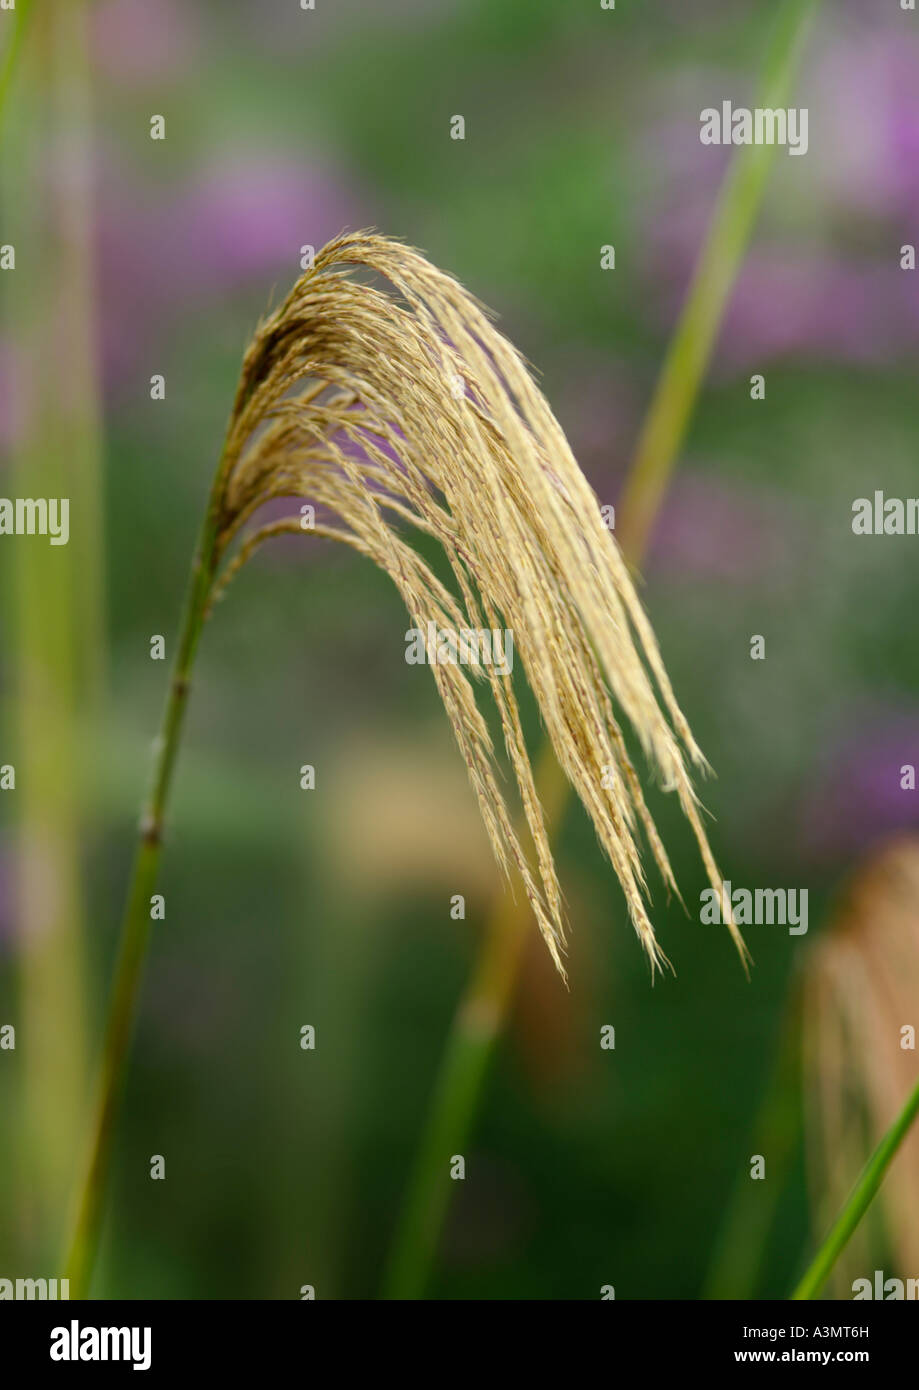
(391, 402)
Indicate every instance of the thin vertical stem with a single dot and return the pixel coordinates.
(135, 930)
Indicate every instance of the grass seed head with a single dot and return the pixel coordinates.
(381, 392)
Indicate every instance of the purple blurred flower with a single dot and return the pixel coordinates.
(863, 312)
(710, 530)
(857, 798)
(241, 222)
(866, 106)
(7, 898)
(145, 41)
(795, 296)
(244, 219)
(14, 407)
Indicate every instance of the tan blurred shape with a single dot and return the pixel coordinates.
(402, 814)
(861, 996)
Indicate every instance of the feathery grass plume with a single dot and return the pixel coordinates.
(408, 409)
(860, 987)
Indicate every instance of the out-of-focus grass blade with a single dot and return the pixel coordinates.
(863, 1194)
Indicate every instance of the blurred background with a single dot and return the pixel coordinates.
(136, 257)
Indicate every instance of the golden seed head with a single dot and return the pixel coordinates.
(395, 406)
